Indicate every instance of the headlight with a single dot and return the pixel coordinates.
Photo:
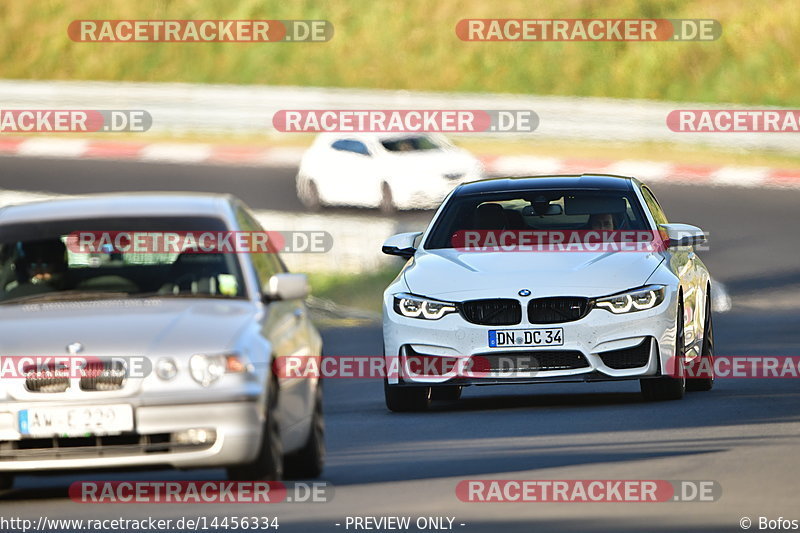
(412, 306)
(633, 300)
(206, 369)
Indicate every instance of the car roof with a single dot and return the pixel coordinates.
(130, 204)
(528, 183)
(375, 136)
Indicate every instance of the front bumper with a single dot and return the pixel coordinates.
(238, 426)
(593, 337)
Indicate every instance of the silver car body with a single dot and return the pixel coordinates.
(233, 406)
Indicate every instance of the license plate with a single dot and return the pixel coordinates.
(76, 421)
(499, 338)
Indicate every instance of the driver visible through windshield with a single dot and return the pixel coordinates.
(410, 144)
(37, 265)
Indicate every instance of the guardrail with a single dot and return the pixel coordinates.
(197, 109)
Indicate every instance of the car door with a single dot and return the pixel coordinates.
(284, 325)
(684, 263)
(351, 162)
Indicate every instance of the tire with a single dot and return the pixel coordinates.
(6, 481)
(706, 355)
(308, 462)
(268, 465)
(449, 393)
(310, 198)
(667, 387)
(406, 399)
(387, 206)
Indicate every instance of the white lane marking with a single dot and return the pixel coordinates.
(740, 176)
(643, 170)
(357, 240)
(49, 147)
(176, 152)
(288, 156)
(720, 299)
(525, 165)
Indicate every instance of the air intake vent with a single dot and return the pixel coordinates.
(492, 312)
(634, 357)
(103, 376)
(556, 310)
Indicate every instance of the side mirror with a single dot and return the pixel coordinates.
(683, 235)
(401, 244)
(286, 286)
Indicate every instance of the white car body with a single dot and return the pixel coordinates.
(361, 171)
(457, 276)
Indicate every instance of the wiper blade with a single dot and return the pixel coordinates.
(184, 295)
(58, 296)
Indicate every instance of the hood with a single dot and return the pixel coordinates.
(124, 327)
(448, 273)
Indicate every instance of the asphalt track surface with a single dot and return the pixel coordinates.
(744, 434)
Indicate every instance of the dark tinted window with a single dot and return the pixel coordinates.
(410, 144)
(655, 208)
(38, 263)
(267, 264)
(350, 145)
(559, 210)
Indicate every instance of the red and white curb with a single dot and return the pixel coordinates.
(648, 171)
(238, 155)
(157, 152)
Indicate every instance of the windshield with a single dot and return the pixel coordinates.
(542, 210)
(37, 265)
(410, 144)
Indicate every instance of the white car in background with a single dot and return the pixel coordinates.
(388, 171)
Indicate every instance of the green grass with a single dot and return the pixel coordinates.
(360, 291)
(412, 45)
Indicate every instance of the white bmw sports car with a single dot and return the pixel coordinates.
(388, 171)
(547, 316)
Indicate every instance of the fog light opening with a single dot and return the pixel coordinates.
(195, 436)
